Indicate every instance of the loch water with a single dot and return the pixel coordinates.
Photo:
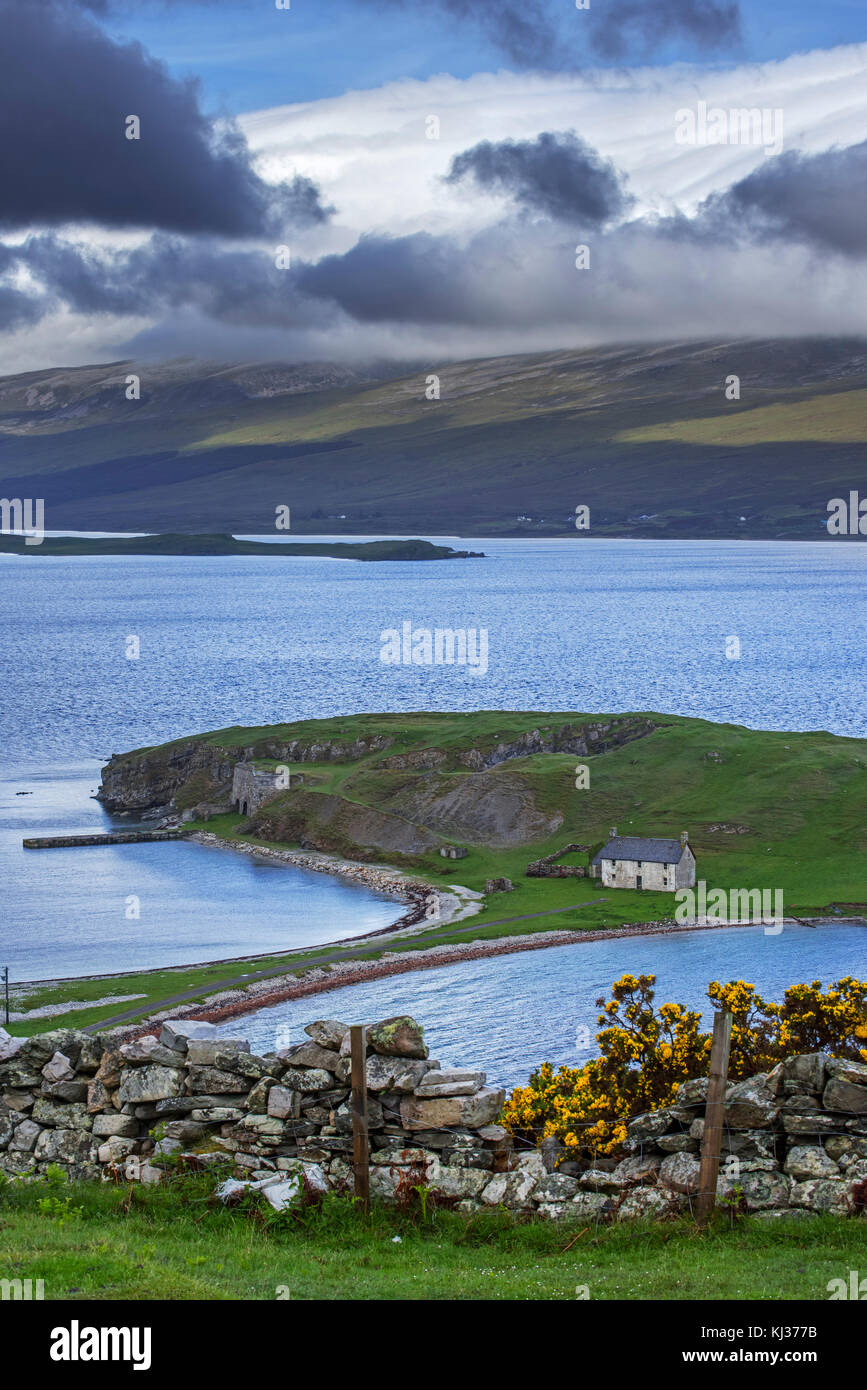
(594, 626)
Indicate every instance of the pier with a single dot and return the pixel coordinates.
(116, 837)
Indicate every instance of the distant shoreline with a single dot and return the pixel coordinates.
(213, 545)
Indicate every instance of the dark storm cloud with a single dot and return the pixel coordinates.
(556, 174)
(417, 278)
(537, 33)
(232, 285)
(64, 156)
(817, 199)
(516, 277)
(627, 26)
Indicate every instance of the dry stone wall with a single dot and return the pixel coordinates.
(795, 1139)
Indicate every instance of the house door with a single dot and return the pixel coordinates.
(638, 881)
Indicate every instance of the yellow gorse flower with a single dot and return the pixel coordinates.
(645, 1054)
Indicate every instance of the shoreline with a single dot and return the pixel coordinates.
(451, 906)
(281, 989)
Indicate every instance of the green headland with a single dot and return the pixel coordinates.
(763, 809)
(178, 544)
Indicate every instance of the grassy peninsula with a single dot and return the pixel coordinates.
(763, 810)
(181, 544)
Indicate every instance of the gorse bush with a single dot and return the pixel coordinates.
(645, 1053)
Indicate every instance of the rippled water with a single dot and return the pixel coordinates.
(508, 1014)
(73, 911)
(585, 625)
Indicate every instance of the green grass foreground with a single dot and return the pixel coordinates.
(176, 1243)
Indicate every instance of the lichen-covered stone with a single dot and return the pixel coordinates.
(679, 1172)
(61, 1116)
(639, 1169)
(460, 1182)
(677, 1143)
(555, 1187)
(214, 1081)
(65, 1146)
(509, 1189)
(841, 1094)
(822, 1194)
(648, 1203)
(659, 1122)
(58, 1068)
(327, 1032)
(757, 1190)
(150, 1051)
(470, 1112)
(150, 1083)
(845, 1148)
(810, 1161)
(125, 1126)
(310, 1054)
(24, 1137)
(750, 1104)
(176, 1032)
(853, 1072)
(452, 1082)
(397, 1037)
(301, 1079)
(692, 1092)
(808, 1070)
(396, 1073)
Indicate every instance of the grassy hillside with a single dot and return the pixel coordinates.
(643, 435)
(763, 809)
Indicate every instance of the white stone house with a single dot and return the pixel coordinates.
(629, 861)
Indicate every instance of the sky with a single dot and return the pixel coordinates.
(369, 180)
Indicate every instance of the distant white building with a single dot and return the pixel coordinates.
(628, 861)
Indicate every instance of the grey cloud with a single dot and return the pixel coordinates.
(232, 285)
(817, 199)
(535, 34)
(511, 284)
(557, 174)
(625, 26)
(64, 157)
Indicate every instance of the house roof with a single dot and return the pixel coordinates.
(633, 847)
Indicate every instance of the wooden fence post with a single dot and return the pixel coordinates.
(714, 1115)
(360, 1145)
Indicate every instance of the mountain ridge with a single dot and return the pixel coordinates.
(641, 434)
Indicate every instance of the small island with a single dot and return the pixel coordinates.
(179, 544)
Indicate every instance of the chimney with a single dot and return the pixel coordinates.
(613, 832)
(684, 838)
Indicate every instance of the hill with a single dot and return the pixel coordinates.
(643, 435)
(763, 809)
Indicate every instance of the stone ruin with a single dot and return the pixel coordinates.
(548, 867)
(794, 1139)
